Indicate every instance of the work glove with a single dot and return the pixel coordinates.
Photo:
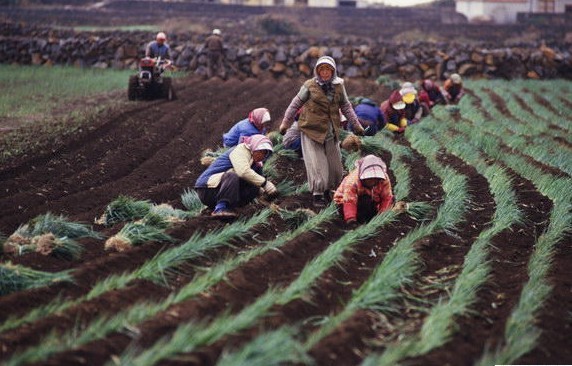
(270, 188)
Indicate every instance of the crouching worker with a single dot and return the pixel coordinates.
(235, 178)
(365, 192)
(370, 116)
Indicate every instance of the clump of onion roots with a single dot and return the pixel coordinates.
(208, 155)
(48, 235)
(137, 233)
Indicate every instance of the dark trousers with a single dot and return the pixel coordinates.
(234, 191)
(214, 64)
(366, 209)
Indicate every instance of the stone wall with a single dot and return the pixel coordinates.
(288, 56)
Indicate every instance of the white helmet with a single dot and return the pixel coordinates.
(217, 31)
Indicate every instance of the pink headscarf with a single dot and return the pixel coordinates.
(256, 117)
(257, 142)
(375, 167)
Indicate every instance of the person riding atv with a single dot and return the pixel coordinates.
(149, 82)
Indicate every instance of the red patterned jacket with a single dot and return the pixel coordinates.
(351, 188)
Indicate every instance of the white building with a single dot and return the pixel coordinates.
(505, 11)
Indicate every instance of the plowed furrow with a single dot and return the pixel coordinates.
(511, 250)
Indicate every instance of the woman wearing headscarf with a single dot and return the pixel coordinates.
(257, 122)
(394, 111)
(323, 97)
(453, 89)
(235, 178)
(366, 191)
(413, 110)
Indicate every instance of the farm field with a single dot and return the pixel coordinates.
(477, 272)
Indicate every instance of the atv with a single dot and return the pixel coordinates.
(149, 82)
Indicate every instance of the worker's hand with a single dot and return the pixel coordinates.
(358, 130)
(283, 128)
(400, 130)
(270, 188)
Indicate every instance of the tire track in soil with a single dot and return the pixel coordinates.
(436, 252)
(77, 155)
(328, 296)
(97, 188)
(509, 256)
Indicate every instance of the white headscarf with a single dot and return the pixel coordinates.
(328, 61)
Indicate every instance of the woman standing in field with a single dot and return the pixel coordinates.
(323, 97)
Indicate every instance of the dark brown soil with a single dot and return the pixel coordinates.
(151, 150)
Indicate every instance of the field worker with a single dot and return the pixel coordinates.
(215, 52)
(365, 192)
(322, 97)
(235, 178)
(158, 47)
(430, 95)
(394, 112)
(453, 89)
(257, 122)
(413, 110)
(370, 116)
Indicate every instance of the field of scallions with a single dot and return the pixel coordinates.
(108, 258)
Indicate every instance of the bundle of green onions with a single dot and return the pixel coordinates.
(49, 235)
(16, 278)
